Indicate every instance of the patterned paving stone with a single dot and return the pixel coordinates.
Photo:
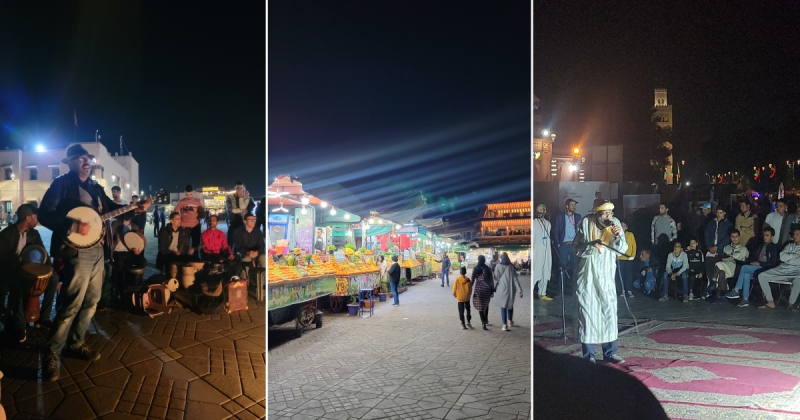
(178, 366)
(412, 361)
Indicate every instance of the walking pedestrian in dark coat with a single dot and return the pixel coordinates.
(483, 286)
(394, 279)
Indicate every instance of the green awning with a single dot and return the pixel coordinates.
(374, 230)
(422, 236)
(511, 248)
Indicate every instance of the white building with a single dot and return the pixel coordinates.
(25, 175)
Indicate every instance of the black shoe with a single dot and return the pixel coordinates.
(50, 367)
(20, 335)
(484, 327)
(84, 352)
(463, 327)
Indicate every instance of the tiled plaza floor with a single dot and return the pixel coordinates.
(411, 361)
(176, 366)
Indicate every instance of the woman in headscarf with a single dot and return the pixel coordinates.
(506, 287)
(483, 286)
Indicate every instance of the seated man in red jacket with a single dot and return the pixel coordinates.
(214, 243)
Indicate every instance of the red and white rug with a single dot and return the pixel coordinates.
(716, 371)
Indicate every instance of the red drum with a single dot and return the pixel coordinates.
(35, 278)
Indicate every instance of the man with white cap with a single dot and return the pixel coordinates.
(596, 290)
(542, 251)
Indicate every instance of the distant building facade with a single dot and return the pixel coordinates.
(26, 174)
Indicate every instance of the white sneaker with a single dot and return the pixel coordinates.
(505, 328)
(510, 323)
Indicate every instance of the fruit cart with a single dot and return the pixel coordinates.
(352, 272)
(292, 293)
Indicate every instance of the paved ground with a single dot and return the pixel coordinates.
(177, 366)
(411, 361)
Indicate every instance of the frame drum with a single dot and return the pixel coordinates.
(35, 278)
(132, 240)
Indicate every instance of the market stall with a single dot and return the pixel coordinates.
(293, 290)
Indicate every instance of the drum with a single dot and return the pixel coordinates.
(33, 254)
(198, 265)
(134, 275)
(132, 240)
(172, 285)
(187, 275)
(35, 278)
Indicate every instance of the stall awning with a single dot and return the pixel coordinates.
(430, 223)
(6, 198)
(375, 230)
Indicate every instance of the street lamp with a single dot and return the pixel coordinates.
(545, 132)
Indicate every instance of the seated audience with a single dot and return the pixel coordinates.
(732, 255)
(173, 243)
(764, 257)
(696, 266)
(677, 266)
(789, 269)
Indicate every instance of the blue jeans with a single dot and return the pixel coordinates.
(626, 271)
(665, 283)
(83, 279)
(609, 349)
(569, 261)
(394, 293)
(506, 313)
(745, 275)
(446, 273)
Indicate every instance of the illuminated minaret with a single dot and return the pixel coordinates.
(663, 117)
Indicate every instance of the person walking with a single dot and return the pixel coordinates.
(394, 279)
(461, 291)
(506, 286)
(483, 289)
(156, 222)
(445, 268)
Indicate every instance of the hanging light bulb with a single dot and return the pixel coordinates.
(333, 211)
(304, 200)
(303, 210)
(398, 226)
(280, 209)
(347, 216)
(323, 204)
(371, 220)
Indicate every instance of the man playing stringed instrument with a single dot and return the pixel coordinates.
(83, 266)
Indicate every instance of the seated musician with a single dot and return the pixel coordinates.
(213, 242)
(13, 240)
(248, 243)
(124, 258)
(173, 243)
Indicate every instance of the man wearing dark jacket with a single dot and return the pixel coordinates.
(566, 226)
(445, 269)
(173, 243)
(717, 236)
(394, 279)
(765, 256)
(13, 240)
(83, 270)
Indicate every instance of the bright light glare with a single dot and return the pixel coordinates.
(545, 132)
(333, 211)
(371, 220)
(303, 210)
(304, 200)
(687, 184)
(398, 226)
(40, 148)
(323, 204)
(347, 216)
(573, 168)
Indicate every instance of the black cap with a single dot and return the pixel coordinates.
(189, 188)
(25, 210)
(569, 200)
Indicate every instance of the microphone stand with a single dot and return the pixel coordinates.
(555, 251)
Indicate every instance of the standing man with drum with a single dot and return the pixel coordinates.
(13, 239)
(83, 270)
(192, 215)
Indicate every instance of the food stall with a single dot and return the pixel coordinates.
(293, 287)
(354, 270)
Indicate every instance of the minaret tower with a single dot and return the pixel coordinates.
(663, 117)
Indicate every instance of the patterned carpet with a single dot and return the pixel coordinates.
(716, 371)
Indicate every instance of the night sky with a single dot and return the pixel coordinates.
(731, 74)
(183, 82)
(372, 101)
